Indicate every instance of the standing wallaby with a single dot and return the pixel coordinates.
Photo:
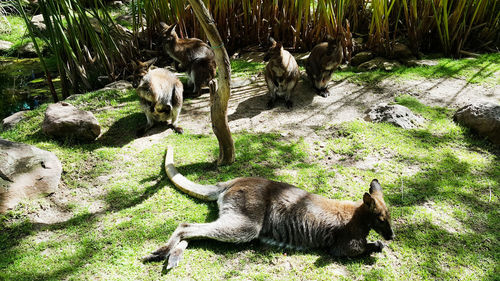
(160, 96)
(282, 73)
(191, 55)
(281, 214)
(323, 60)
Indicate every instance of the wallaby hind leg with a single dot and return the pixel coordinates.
(175, 116)
(235, 229)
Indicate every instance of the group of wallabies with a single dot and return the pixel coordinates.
(276, 213)
(161, 92)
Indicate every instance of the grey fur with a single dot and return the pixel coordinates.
(280, 214)
(160, 97)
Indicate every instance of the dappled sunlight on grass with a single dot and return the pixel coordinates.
(440, 183)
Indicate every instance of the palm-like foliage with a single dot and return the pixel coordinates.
(85, 41)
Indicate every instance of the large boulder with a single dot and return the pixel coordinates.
(11, 121)
(481, 117)
(64, 121)
(26, 172)
(395, 114)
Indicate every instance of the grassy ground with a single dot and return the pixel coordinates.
(473, 70)
(440, 182)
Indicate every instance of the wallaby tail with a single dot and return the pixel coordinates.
(203, 192)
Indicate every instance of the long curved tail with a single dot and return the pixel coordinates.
(203, 192)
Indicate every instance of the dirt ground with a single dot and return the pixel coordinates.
(347, 101)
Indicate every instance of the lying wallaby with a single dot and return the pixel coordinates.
(282, 73)
(191, 55)
(160, 96)
(282, 214)
(323, 60)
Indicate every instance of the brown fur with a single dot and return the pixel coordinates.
(160, 96)
(323, 60)
(191, 55)
(281, 214)
(281, 73)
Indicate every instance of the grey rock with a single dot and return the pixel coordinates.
(424, 62)
(39, 23)
(395, 114)
(26, 172)
(361, 58)
(379, 63)
(5, 46)
(11, 121)
(121, 85)
(483, 118)
(27, 50)
(64, 121)
(402, 52)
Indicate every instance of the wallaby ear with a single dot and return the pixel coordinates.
(272, 41)
(329, 38)
(171, 29)
(369, 201)
(375, 186)
(164, 25)
(279, 45)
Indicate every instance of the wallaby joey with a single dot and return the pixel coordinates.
(191, 55)
(282, 73)
(323, 60)
(160, 96)
(281, 214)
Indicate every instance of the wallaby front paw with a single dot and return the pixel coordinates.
(378, 246)
(289, 104)
(178, 130)
(324, 93)
(270, 104)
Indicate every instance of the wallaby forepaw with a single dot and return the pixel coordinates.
(178, 130)
(379, 246)
(289, 104)
(324, 93)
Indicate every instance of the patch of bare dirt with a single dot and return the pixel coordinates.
(347, 101)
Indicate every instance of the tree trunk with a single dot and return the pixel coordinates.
(219, 98)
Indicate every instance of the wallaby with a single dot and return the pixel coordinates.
(282, 73)
(323, 60)
(281, 214)
(191, 55)
(160, 96)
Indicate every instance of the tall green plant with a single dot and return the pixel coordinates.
(86, 43)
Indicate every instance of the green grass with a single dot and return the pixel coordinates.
(473, 70)
(242, 68)
(436, 179)
(14, 31)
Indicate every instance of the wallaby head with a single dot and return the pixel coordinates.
(379, 217)
(333, 43)
(168, 32)
(274, 50)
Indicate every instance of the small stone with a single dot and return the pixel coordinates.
(396, 114)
